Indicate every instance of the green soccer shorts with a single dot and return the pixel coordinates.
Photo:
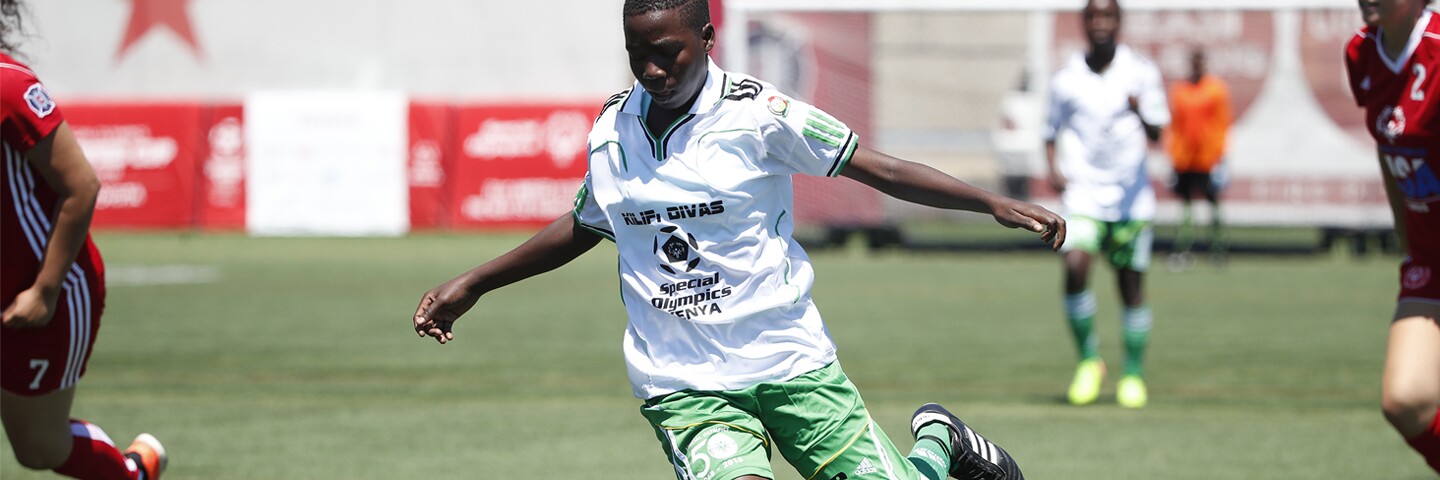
(1125, 244)
(817, 421)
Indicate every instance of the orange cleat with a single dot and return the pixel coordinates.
(149, 455)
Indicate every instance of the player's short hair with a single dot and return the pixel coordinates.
(695, 12)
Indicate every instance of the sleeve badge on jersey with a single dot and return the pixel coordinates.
(1416, 277)
(778, 106)
(39, 100)
(1391, 122)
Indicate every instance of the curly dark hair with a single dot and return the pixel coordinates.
(695, 12)
(12, 19)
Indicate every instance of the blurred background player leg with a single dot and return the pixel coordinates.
(1181, 258)
(1128, 249)
(1130, 255)
(1130, 391)
(1219, 245)
(1080, 308)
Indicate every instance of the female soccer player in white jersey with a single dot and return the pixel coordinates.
(689, 175)
(52, 287)
(1111, 101)
(1393, 63)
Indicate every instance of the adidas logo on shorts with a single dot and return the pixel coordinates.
(865, 467)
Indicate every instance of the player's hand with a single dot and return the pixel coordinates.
(29, 310)
(441, 306)
(1017, 214)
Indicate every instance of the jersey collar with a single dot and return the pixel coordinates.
(710, 94)
(1416, 35)
(1122, 55)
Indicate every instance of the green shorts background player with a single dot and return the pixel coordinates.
(689, 175)
(1106, 105)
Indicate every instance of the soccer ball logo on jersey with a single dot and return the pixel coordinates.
(39, 100)
(1416, 277)
(675, 251)
(778, 106)
(1391, 122)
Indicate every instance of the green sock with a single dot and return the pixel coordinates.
(1217, 231)
(1136, 324)
(1185, 234)
(930, 455)
(1080, 310)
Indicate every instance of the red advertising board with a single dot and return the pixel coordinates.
(145, 157)
(791, 51)
(517, 166)
(430, 157)
(222, 168)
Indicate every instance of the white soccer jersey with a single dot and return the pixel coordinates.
(716, 288)
(1103, 156)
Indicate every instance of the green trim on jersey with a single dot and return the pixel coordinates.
(657, 146)
(787, 282)
(778, 219)
(824, 128)
(624, 159)
(845, 156)
(579, 204)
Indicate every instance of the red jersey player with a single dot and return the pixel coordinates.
(52, 288)
(1392, 64)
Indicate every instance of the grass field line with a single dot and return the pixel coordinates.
(147, 275)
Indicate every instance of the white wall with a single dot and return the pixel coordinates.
(566, 49)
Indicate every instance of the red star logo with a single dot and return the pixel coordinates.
(146, 14)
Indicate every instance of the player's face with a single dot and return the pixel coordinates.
(667, 57)
(1379, 13)
(1102, 22)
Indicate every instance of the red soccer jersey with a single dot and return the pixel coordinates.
(1401, 97)
(27, 203)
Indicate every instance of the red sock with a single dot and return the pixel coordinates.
(94, 456)
(1428, 443)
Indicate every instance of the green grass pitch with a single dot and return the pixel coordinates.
(294, 359)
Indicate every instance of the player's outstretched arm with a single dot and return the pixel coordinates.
(559, 243)
(919, 183)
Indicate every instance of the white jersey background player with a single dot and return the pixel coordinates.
(1106, 105)
(689, 176)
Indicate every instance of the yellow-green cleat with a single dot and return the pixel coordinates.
(1130, 392)
(1085, 388)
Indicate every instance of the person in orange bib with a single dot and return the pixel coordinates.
(1200, 120)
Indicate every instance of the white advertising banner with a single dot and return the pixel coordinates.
(326, 163)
